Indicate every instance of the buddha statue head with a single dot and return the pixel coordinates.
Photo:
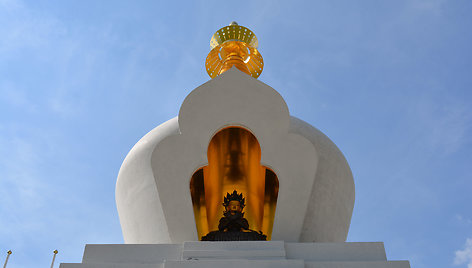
(233, 203)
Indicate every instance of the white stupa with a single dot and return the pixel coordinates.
(235, 133)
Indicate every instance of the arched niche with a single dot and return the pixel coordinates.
(234, 156)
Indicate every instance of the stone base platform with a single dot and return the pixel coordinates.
(238, 254)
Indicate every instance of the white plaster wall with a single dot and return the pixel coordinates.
(333, 193)
(316, 193)
(137, 199)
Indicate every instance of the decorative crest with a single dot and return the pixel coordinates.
(234, 45)
(234, 197)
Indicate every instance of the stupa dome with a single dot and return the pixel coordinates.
(314, 198)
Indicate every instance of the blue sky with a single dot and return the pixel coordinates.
(388, 81)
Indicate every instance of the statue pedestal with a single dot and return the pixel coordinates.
(238, 254)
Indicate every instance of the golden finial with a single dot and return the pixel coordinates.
(234, 45)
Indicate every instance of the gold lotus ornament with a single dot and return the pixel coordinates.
(234, 45)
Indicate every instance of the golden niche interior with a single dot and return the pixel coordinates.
(234, 156)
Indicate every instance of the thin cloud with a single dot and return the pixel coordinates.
(462, 219)
(10, 4)
(465, 255)
(23, 29)
(443, 123)
(432, 6)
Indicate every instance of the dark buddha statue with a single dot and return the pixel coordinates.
(233, 218)
(233, 226)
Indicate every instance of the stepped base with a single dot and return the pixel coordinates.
(238, 254)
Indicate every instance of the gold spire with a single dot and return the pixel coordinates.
(234, 45)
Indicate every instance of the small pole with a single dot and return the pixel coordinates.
(8, 256)
(54, 257)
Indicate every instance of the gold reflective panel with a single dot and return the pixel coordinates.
(234, 156)
(234, 45)
(234, 32)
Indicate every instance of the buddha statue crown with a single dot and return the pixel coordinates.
(234, 197)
